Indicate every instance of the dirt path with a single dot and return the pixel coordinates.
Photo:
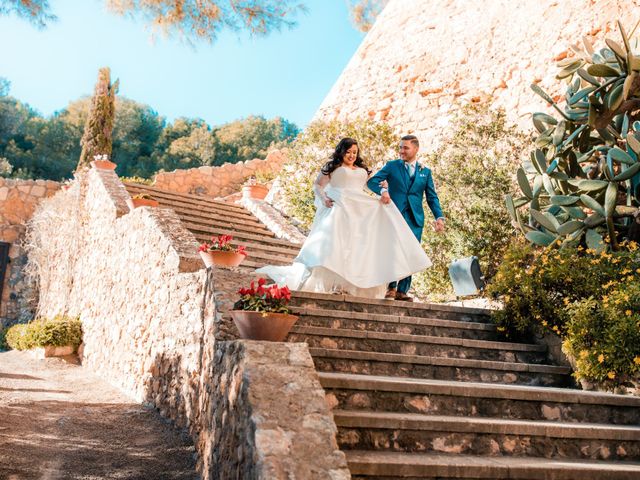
(59, 421)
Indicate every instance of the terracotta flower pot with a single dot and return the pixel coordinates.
(273, 327)
(222, 258)
(141, 202)
(103, 164)
(257, 192)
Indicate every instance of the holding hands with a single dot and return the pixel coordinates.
(439, 225)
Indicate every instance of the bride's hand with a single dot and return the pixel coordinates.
(327, 202)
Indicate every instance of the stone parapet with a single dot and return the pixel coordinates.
(269, 414)
(273, 219)
(219, 181)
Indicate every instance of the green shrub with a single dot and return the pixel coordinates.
(537, 286)
(603, 336)
(473, 171)
(313, 148)
(135, 179)
(58, 331)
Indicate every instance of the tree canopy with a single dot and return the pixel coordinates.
(189, 19)
(143, 142)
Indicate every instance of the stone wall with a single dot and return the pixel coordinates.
(18, 199)
(152, 322)
(219, 181)
(264, 422)
(424, 58)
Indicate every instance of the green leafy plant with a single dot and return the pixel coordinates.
(58, 331)
(473, 171)
(582, 180)
(269, 298)
(313, 148)
(136, 179)
(537, 286)
(603, 336)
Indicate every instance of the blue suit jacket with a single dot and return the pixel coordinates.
(407, 193)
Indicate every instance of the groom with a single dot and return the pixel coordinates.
(407, 182)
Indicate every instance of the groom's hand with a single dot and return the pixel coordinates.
(385, 198)
(439, 225)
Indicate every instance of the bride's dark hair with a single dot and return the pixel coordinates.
(339, 153)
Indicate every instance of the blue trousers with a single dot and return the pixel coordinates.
(405, 284)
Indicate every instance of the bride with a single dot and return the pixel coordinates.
(357, 244)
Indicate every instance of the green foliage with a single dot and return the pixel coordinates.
(58, 332)
(143, 144)
(582, 182)
(5, 86)
(473, 172)
(3, 339)
(251, 138)
(313, 148)
(97, 137)
(603, 336)
(35, 11)
(140, 180)
(537, 286)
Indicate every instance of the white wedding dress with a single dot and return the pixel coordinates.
(356, 247)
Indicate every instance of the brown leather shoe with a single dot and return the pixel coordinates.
(391, 294)
(403, 297)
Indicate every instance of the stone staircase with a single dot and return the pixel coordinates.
(206, 217)
(426, 391)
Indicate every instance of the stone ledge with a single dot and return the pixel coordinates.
(114, 188)
(273, 220)
(416, 421)
(439, 361)
(474, 389)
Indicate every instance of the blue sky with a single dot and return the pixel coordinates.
(285, 74)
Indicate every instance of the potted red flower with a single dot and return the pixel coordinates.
(263, 313)
(220, 252)
(142, 200)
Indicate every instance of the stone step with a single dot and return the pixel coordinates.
(287, 252)
(412, 309)
(240, 236)
(413, 432)
(206, 227)
(441, 397)
(413, 466)
(394, 323)
(188, 199)
(423, 345)
(204, 216)
(438, 368)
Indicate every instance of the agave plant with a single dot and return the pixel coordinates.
(582, 180)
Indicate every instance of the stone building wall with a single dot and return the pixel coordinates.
(424, 58)
(18, 199)
(219, 181)
(152, 325)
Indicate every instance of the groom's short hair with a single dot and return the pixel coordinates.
(411, 138)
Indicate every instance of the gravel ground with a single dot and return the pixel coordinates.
(60, 421)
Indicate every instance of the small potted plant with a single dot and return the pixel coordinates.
(102, 162)
(219, 251)
(254, 190)
(263, 313)
(142, 200)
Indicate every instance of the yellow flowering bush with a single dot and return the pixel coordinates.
(603, 336)
(538, 287)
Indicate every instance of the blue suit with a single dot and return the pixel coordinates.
(407, 194)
